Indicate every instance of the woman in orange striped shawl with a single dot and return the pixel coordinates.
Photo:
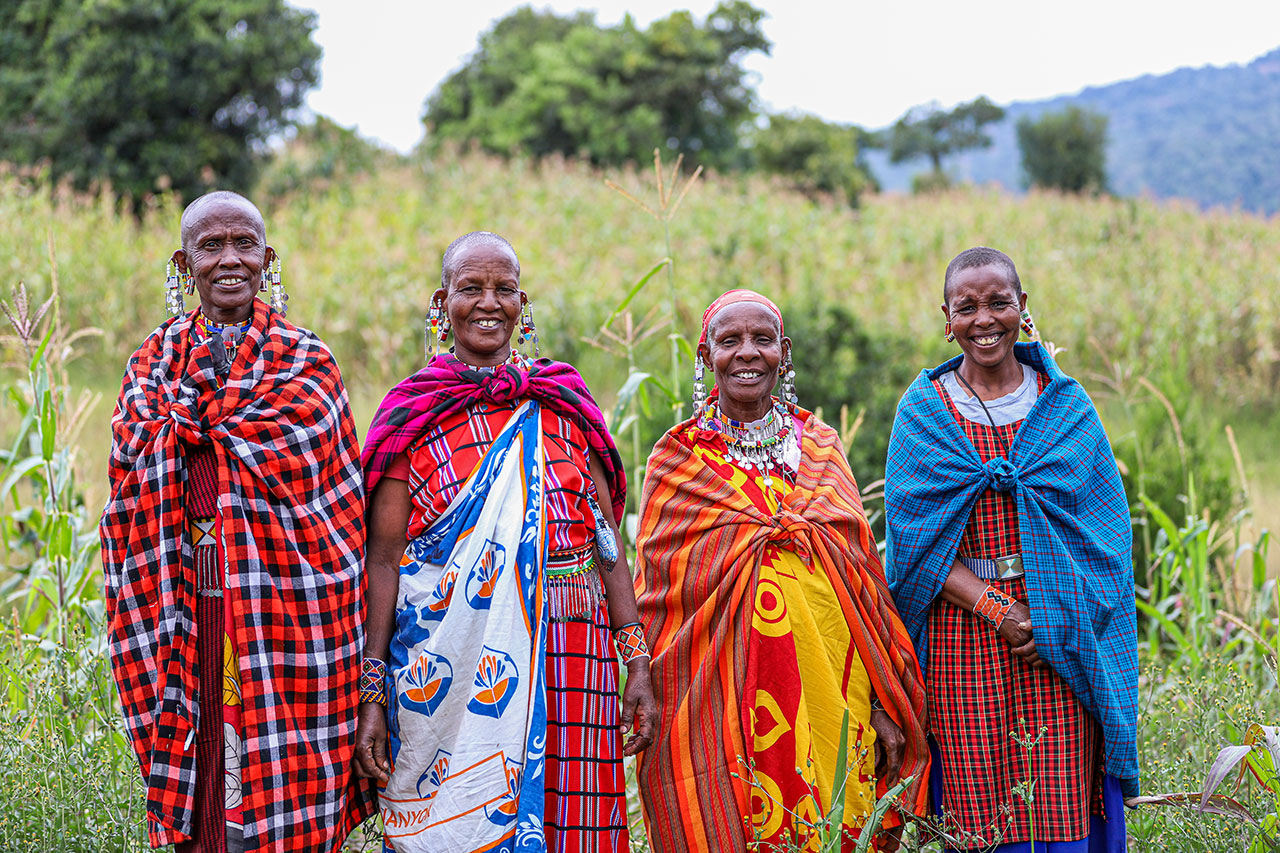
(762, 595)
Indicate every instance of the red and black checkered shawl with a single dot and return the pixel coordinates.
(292, 514)
(446, 386)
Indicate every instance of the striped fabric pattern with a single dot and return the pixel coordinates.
(1074, 525)
(700, 546)
(586, 807)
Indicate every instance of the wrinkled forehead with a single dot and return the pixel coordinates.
(751, 314)
(221, 213)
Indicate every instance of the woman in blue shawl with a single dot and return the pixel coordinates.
(1009, 558)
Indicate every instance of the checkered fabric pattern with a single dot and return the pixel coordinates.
(978, 692)
(630, 642)
(999, 536)
(1074, 528)
(292, 511)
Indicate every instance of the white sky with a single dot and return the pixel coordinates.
(861, 62)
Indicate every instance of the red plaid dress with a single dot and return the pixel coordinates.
(981, 695)
(586, 808)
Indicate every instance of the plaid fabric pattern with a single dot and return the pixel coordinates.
(699, 552)
(586, 807)
(447, 386)
(998, 536)
(1074, 527)
(292, 519)
(979, 691)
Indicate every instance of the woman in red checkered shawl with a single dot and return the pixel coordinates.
(995, 702)
(231, 546)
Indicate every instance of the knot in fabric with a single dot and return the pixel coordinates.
(792, 533)
(1002, 474)
(505, 384)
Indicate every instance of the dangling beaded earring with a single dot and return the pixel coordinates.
(1029, 325)
(437, 329)
(699, 387)
(788, 390)
(173, 289)
(279, 299)
(948, 334)
(528, 332)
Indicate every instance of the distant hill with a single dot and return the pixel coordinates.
(1211, 135)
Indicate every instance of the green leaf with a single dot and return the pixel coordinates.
(634, 291)
(833, 826)
(48, 426)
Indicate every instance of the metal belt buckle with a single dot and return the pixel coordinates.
(1009, 567)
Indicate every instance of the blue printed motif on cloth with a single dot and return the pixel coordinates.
(1076, 537)
(467, 677)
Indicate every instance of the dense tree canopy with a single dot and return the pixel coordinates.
(141, 92)
(935, 133)
(1065, 150)
(543, 83)
(816, 156)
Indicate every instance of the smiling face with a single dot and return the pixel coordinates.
(984, 308)
(483, 303)
(744, 348)
(224, 251)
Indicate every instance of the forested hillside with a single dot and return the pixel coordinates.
(1211, 135)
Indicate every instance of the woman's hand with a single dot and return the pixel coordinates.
(639, 710)
(1016, 631)
(371, 761)
(889, 747)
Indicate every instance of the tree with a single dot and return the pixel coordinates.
(546, 84)
(1065, 150)
(935, 133)
(817, 156)
(146, 92)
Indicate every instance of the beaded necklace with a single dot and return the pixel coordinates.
(760, 444)
(229, 333)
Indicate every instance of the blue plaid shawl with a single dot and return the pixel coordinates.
(1076, 537)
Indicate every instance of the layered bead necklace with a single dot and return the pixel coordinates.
(755, 445)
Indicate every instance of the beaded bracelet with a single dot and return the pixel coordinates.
(373, 681)
(993, 605)
(630, 642)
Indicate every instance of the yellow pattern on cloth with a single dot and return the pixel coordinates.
(230, 673)
(797, 604)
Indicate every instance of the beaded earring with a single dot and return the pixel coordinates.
(947, 334)
(437, 329)
(279, 299)
(787, 392)
(528, 332)
(1029, 325)
(173, 285)
(699, 386)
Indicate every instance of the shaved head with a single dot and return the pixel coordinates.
(449, 264)
(191, 216)
(980, 256)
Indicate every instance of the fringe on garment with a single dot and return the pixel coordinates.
(573, 592)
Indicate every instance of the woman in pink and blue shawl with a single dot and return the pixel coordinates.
(489, 706)
(1009, 555)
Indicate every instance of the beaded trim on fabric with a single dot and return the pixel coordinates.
(574, 588)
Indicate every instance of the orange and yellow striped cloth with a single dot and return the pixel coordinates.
(768, 614)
